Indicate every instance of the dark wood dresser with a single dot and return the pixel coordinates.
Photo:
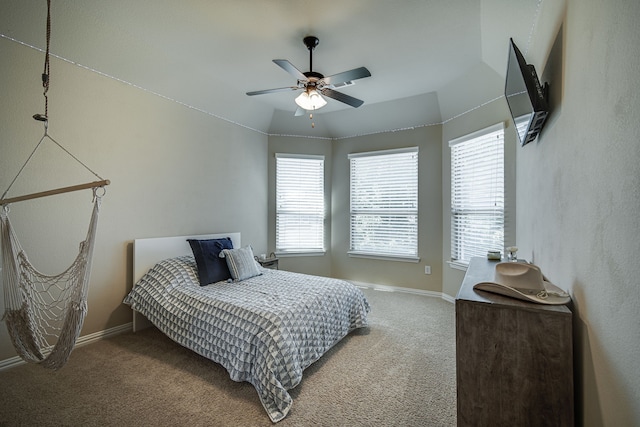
(514, 359)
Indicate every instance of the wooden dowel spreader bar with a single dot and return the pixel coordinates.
(94, 184)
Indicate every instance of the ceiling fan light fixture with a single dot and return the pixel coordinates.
(310, 100)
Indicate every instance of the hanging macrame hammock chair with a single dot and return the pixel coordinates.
(39, 308)
(44, 314)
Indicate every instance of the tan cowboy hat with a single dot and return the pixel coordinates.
(526, 282)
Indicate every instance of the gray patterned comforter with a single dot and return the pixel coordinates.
(264, 330)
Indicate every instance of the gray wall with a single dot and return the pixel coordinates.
(316, 264)
(336, 262)
(395, 273)
(578, 193)
(173, 171)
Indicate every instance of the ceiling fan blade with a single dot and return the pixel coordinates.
(356, 73)
(289, 68)
(299, 112)
(280, 89)
(339, 96)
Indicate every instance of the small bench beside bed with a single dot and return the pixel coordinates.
(263, 326)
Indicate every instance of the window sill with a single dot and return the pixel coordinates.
(458, 265)
(384, 257)
(301, 253)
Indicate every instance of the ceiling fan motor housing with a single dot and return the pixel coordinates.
(313, 77)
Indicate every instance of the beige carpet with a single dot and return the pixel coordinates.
(398, 372)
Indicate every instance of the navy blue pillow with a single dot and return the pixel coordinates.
(211, 268)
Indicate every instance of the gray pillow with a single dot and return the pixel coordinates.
(241, 263)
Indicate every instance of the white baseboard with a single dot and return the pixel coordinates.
(448, 298)
(386, 288)
(83, 340)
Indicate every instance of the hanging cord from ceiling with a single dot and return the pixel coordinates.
(46, 72)
(46, 81)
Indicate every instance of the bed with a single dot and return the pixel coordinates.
(265, 329)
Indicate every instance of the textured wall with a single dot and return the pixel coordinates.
(579, 195)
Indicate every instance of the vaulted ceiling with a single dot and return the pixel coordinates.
(430, 60)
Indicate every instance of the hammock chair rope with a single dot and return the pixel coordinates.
(44, 314)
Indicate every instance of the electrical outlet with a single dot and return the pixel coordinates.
(427, 269)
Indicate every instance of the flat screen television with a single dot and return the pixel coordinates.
(527, 99)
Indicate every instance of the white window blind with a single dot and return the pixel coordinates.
(299, 203)
(477, 194)
(384, 203)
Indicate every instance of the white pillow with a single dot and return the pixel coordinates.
(241, 263)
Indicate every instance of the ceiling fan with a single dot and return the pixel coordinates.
(315, 83)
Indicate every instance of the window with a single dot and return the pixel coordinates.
(299, 203)
(384, 204)
(477, 194)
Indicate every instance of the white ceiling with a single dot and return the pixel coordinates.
(430, 60)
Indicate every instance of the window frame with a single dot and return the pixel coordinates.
(358, 251)
(478, 136)
(310, 250)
